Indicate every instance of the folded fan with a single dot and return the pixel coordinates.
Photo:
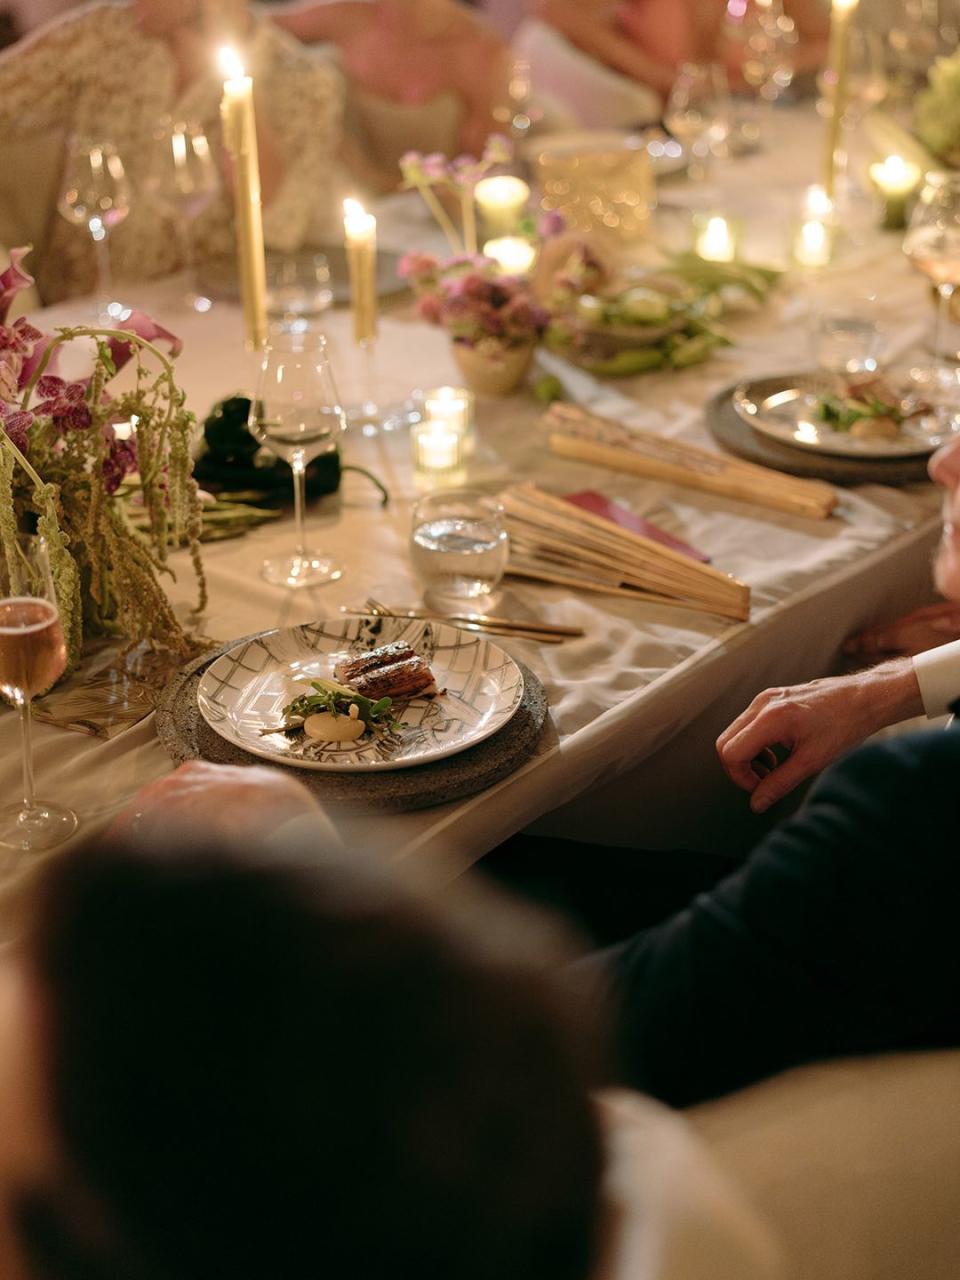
(554, 541)
(574, 433)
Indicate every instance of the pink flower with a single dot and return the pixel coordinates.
(64, 402)
(417, 266)
(552, 223)
(13, 280)
(429, 308)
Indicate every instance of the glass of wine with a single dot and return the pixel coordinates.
(932, 243)
(32, 656)
(698, 112)
(182, 178)
(297, 415)
(95, 194)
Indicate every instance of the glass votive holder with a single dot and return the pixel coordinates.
(438, 452)
(811, 244)
(715, 237)
(458, 545)
(454, 405)
(298, 289)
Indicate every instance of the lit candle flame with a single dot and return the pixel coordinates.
(231, 63)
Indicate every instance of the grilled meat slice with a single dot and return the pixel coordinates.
(348, 669)
(398, 680)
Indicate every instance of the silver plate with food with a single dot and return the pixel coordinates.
(360, 694)
(856, 416)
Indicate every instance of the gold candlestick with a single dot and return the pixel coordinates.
(360, 234)
(240, 136)
(841, 15)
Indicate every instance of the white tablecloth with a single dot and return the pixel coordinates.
(635, 705)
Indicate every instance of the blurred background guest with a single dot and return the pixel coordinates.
(112, 73)
(423, 75)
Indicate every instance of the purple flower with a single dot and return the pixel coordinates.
(64, 402)
(552, 223)
(499, 150)
(10, 365)
(16, 424)
(119, 462)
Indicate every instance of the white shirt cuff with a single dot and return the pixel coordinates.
(938, 675)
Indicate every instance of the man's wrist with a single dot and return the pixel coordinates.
(891, 693)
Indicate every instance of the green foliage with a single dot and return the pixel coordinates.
(106, 571)
(937, 114)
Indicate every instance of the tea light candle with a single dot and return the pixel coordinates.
(896, 179)
(501, 202)
(240, 137)
(817, 204)
(437, 447)
(452, 405)
(360, 235)
(812, 245)
(716, 239)
(514, 255)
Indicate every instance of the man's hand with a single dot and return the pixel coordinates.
(814, 723)
(216, 799)
(915, 632)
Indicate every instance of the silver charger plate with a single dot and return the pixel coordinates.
(244, 691)
(783, 408)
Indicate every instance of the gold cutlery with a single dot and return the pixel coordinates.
(545, 632)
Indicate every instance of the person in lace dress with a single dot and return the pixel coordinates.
(113, 71)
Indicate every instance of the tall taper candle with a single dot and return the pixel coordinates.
(840, 17)
(360, 234)
(240, 135)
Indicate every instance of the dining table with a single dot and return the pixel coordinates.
(635, 704)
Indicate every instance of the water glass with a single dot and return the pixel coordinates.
(298, 289)
(458, 545)
(849, 338)
(183, 179)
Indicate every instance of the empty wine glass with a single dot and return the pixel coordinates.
(298, 288)
(33, 655)
(932, 244)
(182, 178)
(698, 112)
(760, 39)
(297, 415)
(95, 194)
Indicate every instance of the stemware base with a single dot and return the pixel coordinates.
(311, 569)
(370, 419)
(43, 826)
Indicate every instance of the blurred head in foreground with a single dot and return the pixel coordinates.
(216, 1063)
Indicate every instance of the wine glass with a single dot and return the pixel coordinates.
(182, 177)
(698, 112)
(297, 415)
(760, 39)
(95, 194)
(932, 244)
(33, 655)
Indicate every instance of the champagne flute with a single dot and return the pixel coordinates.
(297, 415)
(932, 244)
(32, 656)
(95, 194)
(182, 177)
(698, 112)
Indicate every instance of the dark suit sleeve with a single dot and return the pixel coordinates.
(836, 936)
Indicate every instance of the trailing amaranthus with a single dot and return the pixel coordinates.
(68, 472)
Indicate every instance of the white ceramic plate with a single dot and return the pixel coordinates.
(246, 688)
(784, 408)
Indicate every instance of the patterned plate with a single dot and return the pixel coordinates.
(783, 408)
(244, 691)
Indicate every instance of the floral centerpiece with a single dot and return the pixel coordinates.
(435, 178)
(494, 319)
(937, 113)
(68, 473)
